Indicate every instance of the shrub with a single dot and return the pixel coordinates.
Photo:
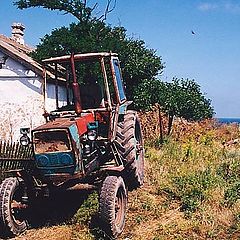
(192, 189)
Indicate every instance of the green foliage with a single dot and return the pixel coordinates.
(88, 209)
(148, 93)
(187, 100)
(232, 194)
(181, 98)
(137, 61)
(140, 65)
(192, 188)
(230, 172)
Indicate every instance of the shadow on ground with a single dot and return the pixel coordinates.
(57, 209)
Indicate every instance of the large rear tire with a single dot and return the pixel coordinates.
(130, 145)
(113, 205)
(12, 209)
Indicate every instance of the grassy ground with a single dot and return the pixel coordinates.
(191, 191)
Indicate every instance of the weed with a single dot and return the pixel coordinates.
(192, 189)
(232, 194)
(230, 171)
(88, 209)
(235, 227)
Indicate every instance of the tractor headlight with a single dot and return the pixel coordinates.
(24, 140)
(92, 131)
(92, 135)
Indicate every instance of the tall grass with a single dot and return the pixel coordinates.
(193, 185)
(191, 189)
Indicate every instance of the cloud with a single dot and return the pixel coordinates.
(227, 6)
(207, 6)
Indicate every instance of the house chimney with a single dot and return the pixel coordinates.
(18, 32)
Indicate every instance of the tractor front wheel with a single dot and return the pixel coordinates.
(113, 205)
(12, 208)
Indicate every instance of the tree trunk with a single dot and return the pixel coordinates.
(160, 124)
(170, 123)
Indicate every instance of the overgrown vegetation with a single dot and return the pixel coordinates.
(191, 191)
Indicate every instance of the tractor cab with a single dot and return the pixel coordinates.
(93, 84)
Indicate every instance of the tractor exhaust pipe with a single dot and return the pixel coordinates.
(75, 88)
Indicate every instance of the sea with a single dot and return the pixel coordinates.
(228, 120)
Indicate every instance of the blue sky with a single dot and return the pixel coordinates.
(211, 56)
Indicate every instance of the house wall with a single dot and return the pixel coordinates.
(50, 103)
(21, 99)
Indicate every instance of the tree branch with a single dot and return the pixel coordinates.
(103, 17)
(78, 8)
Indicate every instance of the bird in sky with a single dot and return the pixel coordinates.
(193, 33)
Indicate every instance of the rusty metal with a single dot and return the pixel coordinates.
(61, 178)
(73, 147)
(63, 123)
(44, 88)
(80, 57)
(56, 85)
(67, 87)
(116, 169)
(75, 88)
(113, 124)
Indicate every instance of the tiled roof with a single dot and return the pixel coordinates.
(22, 48)
(19, 53)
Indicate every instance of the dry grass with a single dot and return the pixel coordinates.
(48, 233)
(190, 192)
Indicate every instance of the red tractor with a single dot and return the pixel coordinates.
(94, 139)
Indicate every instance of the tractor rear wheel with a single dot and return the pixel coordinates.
(113, 205)
(12, 209)
(130, 145)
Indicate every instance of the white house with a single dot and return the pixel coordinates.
(22, 101)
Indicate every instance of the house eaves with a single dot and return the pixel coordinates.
(20, 56)
(20, 53)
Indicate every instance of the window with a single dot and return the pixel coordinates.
(119, 80)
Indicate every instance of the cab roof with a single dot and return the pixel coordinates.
(80, 57)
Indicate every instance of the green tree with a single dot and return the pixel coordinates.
(137, 61)
(185, 99)
(179, 98)
(188, 101)
(91, 34)
(151, 93)
(140, 65)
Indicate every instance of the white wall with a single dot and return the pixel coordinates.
(51, 97)
(21, 99)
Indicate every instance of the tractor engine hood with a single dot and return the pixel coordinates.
(66, 123)
(57, 145)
